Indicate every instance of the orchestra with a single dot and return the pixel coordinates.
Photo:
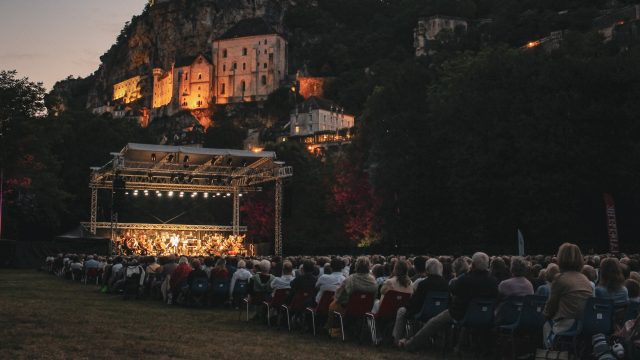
(149, 242)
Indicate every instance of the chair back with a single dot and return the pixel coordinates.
(92, 273)
(632, 311)
(532, 317)
(300, 300)
(509, 311)
(597, 317)
(359, 304)
(279, 297)
(199, 285)
(435, 303)
(325, 301)
(479, 314)
(220, 287)
(390, 303)
(240, 288)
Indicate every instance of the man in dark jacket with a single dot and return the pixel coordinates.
(478, 283)
(433, 282)
(304, 282)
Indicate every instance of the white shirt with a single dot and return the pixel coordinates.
(240, 274)
(415, 283)
(115, 268)
(328, 282)
(282, 282)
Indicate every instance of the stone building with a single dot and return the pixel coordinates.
(186, 86)
(128, 90)
(318, 115)
(249, 61)
(429, 28)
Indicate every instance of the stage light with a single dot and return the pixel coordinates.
(153, 157)
(240, 195)
(135, 193)
(159, 194)
(194, 194)
(126, 193)
(170, 193)
(181, 194)
(217, 194)
(228, 194)
(146, 193)
(206, 195)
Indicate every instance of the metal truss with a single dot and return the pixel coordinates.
(168, 227)
(94, 210)
(236, 211)
(278, 218)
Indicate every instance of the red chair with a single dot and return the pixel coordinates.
(391, 302)
(93, 274)
(358, 305)
(278, 299)
(322, 308)
(297, 305)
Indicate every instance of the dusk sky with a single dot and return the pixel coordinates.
(48, 40)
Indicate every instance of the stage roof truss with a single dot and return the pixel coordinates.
(168, 227)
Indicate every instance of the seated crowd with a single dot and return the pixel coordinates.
(565, 282)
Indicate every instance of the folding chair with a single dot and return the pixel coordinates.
(435, 303)
(278, 299)
(479, 315)
(631, 313)
(220, 290)
(93, 274)
(597, 317)
(240, 290)
(508, 319)
(297, 305)
(358, 305)
(389, 305)
(321, 309)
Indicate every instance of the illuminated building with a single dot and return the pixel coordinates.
(318, 114)
(187, 85)
(311, 86)
(429, 28)
(607, 23)
(128, 90)
(547, 43)
(250, 62)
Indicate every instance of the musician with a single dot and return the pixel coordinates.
(175, 240)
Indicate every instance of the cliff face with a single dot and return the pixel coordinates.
(169, 30)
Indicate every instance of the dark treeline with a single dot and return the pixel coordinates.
(454, 151)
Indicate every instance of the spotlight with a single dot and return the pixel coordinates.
(146, 193)
(217, 194)
(170, 193)
(135, 193)
(159, 194)
(194, 194)
(181, 194)
(240, 195)
(126, 193)
(228, 194)
(206, 195)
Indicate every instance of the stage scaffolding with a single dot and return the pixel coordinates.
(189, 169)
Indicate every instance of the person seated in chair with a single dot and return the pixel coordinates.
(633, 288)
(260, 285)
(477, 283)
(611, 284)
(330, 282)
(517, 284)
(305, 281)
(284, 281)
(434, 282)
(241, 274)
(549, 275)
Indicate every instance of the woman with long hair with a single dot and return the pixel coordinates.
(611, 284)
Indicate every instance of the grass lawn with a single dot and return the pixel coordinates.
(42, 316)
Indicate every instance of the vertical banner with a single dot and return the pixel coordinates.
(520, 243)
(612, 226)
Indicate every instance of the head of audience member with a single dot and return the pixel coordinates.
(221, 264)
(287, 268)
(195, 264)
(551, 272)
(433, 267)
(183, 260)
(570, 258)
(611, 274)
(242, 264)
(377, 271)
(590, 273)
(634, 275)
(209, 262)
(519, 266)
(308, 267)
(362, 265)
(401, 272)
(633, 288)
(460, 266)
(419, 265)
(265, 266)
(337, 264)
(480, 262)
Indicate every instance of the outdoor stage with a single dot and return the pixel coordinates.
(140, 170)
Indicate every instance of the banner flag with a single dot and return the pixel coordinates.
(520, 243)
(612, 225)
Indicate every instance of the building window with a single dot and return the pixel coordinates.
(186, 76)
(222, 88)
(265, 41)
(263, 80)
(297, 129)
(244, 66)
(242, 86)
(198, 88)
(224, 53)
(199, 76)
(271, 57)
(265, 65)
(265, 51)
(224, 67)
(244, 51)
(235, 66)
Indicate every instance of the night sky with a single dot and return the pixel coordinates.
(48, 40)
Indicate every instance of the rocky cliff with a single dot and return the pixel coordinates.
(171, 29)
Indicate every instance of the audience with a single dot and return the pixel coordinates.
(611, 284)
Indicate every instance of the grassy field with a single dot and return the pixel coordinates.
(44, 317)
